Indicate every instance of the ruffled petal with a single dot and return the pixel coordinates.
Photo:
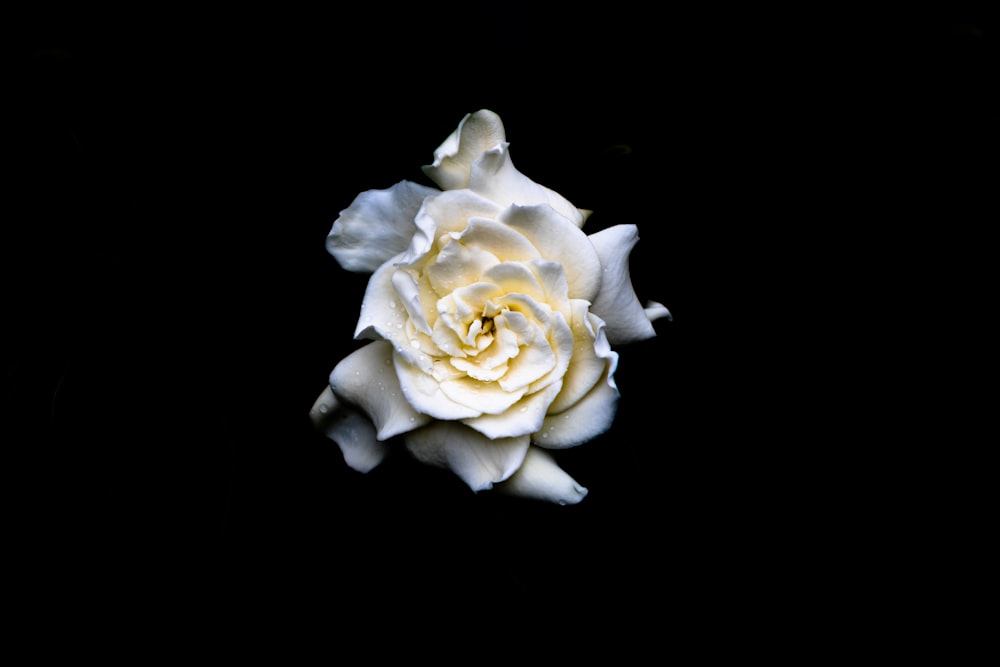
(541, 477)
(590, 416)
(383, 316)
(423, 391)
(525, 417)
(453, 159)
(477, 460)
(495, 177)
(617, 303)
(352, 431)
(587, 365)
(365, 379)
(559, 240)
(378, 225)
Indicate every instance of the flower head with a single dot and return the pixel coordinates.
(491, 318)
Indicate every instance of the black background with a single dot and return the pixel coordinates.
(173, 312)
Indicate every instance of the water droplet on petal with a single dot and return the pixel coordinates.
(324, 409)
(415, 343)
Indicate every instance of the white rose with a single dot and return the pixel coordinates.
(491, 315)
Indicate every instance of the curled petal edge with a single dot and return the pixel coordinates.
(541, 478)
(617, 303)
(351, 430)
(376, 226)
(477, 460)
(476, 133)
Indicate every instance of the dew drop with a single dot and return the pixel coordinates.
(387, 361)
(392, 304)
(562, 502)
(524, 409)
(415, 343)
(357, 372)
(324, 409)
(413, 419)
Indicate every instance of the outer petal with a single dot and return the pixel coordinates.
(424, 392)
(479, 461)
(365, 378)
(376, 226)
(494, 177)
(526, 417)
(541, 477)
(593, 414)
(617, 303)
(587, 365)
(453, 159)
(351, 430)
(559, 240)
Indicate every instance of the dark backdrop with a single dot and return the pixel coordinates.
(173, 312)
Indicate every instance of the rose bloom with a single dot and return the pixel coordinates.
(491, 317)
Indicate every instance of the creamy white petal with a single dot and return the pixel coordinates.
(408, 290)
(495, 177)
(458, 264)
(533, 362)
(560, 340)
(524, 417)
(378, 224)
(484, 397)
(366, 379)
(515, 277)
(617, 303)
(559, 240)
(587, 366)
(592, 414)
(350, 429)
(479, 461)
(476, 133)
(423, 391)
(383, 316)
(504, 242)
(541, 477)
(655, 311)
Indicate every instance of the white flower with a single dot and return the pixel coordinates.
(491, 317)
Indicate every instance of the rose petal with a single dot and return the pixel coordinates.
(351, 430)
(592, 414)
(378, 224)
(502, 241)
(476, 133)
(655, 311)
(382, 315)
(365, 379)
(541, 477)
(423, 391)
(524, 417)
(617, 303)
(477, 460)
(483, 397)
(588, 365)
(559, 240)
(457, 265)
(495, 177)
